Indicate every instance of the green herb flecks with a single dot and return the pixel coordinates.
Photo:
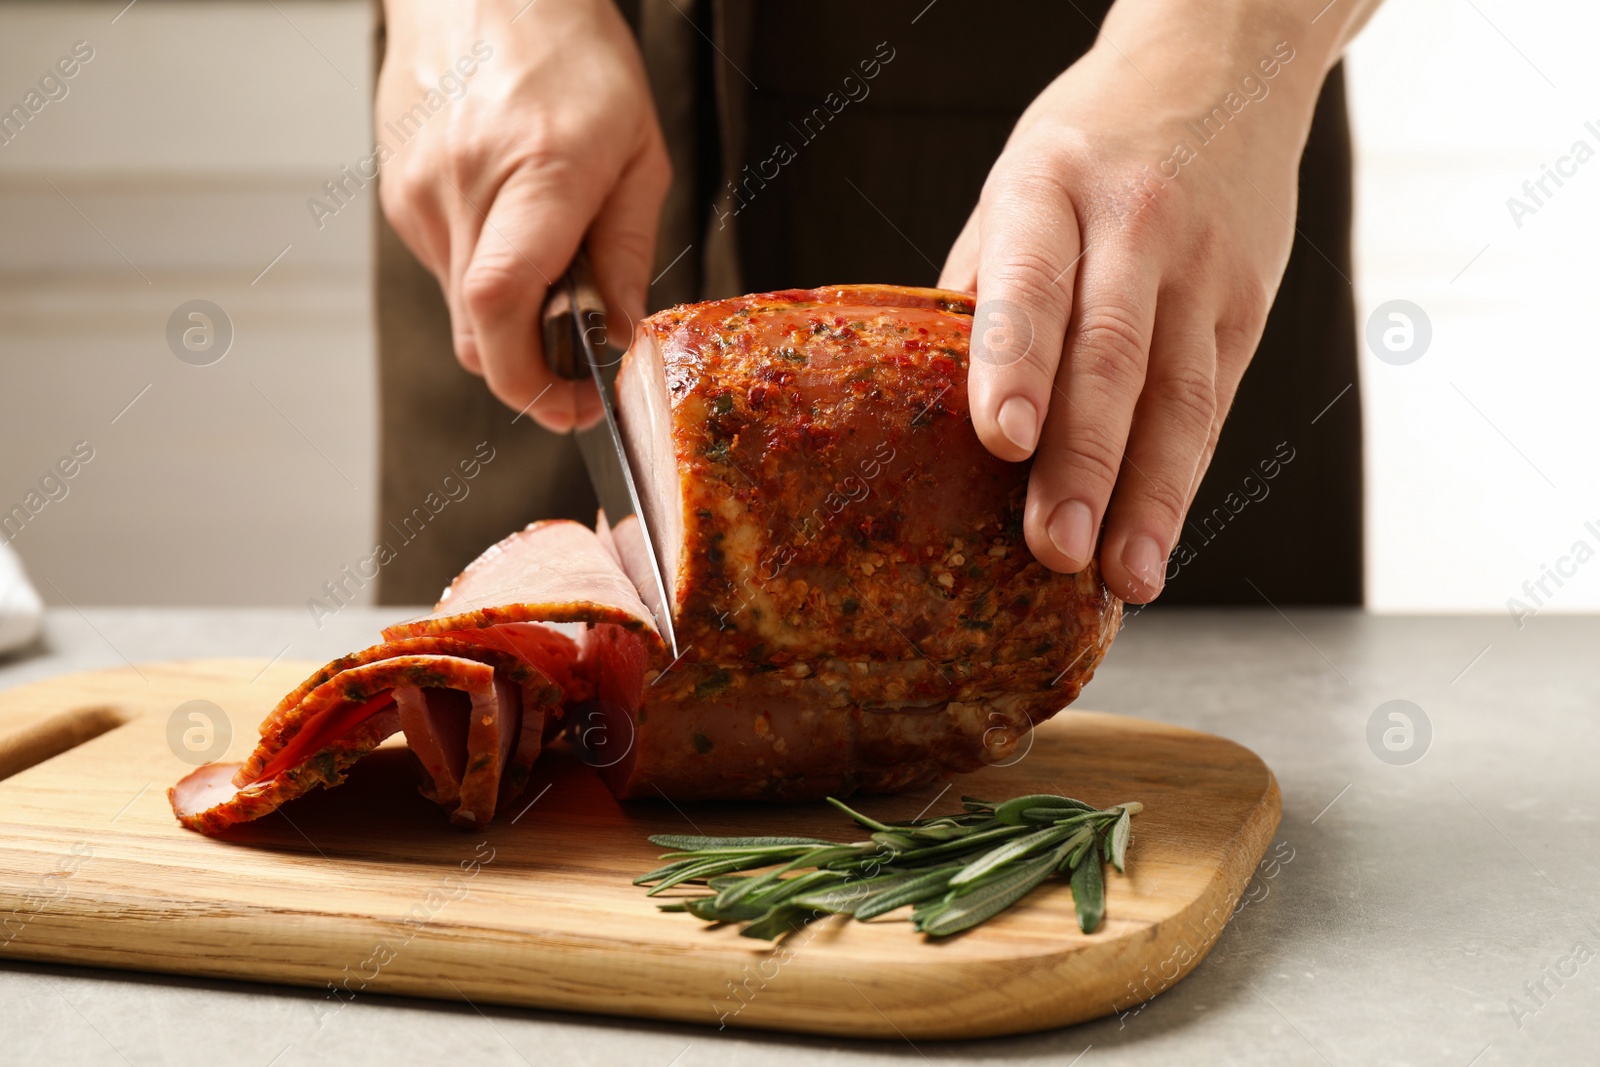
(713, 683)
(954, 871)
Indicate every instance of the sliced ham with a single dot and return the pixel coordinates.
(345, 710)
(435, 725)
(855, 606)
(470, 743)
(555, 571)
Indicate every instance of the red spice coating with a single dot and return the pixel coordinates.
(855, 601)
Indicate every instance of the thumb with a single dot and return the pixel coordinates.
(961, 265)
(622, 239)
(529, 235)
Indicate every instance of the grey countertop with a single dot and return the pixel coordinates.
(1428, 912)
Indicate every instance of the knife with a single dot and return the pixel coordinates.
(575, 347)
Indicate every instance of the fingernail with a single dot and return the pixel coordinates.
(1019, 421)
(1071, 530)
(1143, 557)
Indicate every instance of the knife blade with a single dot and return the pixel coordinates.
(575, 345)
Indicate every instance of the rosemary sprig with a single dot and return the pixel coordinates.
(955, 871)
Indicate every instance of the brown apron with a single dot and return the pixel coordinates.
(787, 174)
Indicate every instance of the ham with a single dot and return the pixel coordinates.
(471, 759)
(855, 605)
(854, 600)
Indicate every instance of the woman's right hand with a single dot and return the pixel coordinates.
(551, 140)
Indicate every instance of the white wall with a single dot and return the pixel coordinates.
(189, 143)
(195, 135)
(1481, 454)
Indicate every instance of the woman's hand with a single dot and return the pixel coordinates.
(1126, 248)
(552, 137)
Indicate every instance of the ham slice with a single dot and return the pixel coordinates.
(855, 605)
(556, 571)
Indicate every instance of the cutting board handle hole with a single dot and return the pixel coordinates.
(39, 741)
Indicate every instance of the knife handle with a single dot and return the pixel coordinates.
(574, 303)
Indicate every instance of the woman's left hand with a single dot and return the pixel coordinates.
(1125, 255)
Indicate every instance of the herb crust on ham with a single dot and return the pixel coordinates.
(853, 596)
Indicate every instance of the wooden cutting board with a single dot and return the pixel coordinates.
(366, 889)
